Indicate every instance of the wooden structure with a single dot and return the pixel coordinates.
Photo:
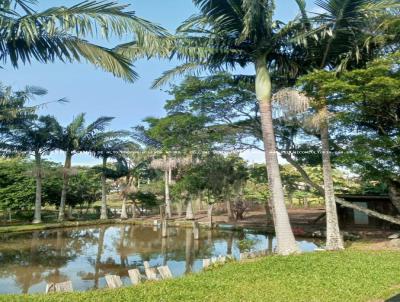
(380, 203)
(62, 287)
(113, 281)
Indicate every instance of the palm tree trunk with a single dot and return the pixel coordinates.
(167, 200)
(103, 213)
(229, 208)
(124, 214)
(67, 166)
(38, 200)
(333, 238)
(286, 243)
(189, 210)
(210, 215)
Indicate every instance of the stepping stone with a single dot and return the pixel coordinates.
(165, 272)
(135, 276)
(62, 287)
(206, 263)
(113, 281)
(151, 273)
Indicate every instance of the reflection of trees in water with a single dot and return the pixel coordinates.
(36, 257)
(40, 256)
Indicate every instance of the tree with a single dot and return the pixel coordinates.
(231, 33)
(76, 137)
(365, 105)
(34, 137)
(343, 31)
(108, 145)
(59, 32)
(174, 136)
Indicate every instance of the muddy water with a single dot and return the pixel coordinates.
(86, 255)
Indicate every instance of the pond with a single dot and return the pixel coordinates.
(85, 255)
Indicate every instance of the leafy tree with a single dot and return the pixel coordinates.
(366, 107)
(17, 188)
(343, 31)
(34, 137)
(59, 32)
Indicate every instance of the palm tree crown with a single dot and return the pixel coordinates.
(58, 32)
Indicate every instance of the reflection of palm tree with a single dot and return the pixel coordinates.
(121, 248)
(189, 251)
(30, 264)
(229, 244)
(98, 256)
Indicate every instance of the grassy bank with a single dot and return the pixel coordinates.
(324, 276)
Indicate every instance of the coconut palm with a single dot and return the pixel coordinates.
(74, 138)
(346, 32)
(59, 32)
(230, 33)
(34, 137)
(108, 145)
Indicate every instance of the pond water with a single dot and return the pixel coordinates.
(85, 255)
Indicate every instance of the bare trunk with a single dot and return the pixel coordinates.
(124, 214)
(305, 202)
(103, 213)
(167, 182)
(286, 243)
(394, 193)
(38, 200)
(67, 167)
(189, 210)
(333, 238)
(229, 209)
(179, 208)
(268, 212)
(210, 215)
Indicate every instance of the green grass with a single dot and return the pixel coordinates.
(343, 276)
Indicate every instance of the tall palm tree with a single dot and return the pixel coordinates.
(34, 137)
(74, 138)
(230, 33)
(108, 145)
(59, 32)
(345, 31)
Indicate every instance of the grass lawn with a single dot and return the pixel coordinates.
(324, 276)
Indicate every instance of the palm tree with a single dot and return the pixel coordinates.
(59, 32)
(34, 137)
(108, 145)
(344, 29)
(76, 137)
(228, 33)
(132, 168)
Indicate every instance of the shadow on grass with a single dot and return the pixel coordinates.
(394, 299)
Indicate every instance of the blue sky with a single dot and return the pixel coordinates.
(98, 93)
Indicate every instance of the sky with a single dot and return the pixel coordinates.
(98, 93)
